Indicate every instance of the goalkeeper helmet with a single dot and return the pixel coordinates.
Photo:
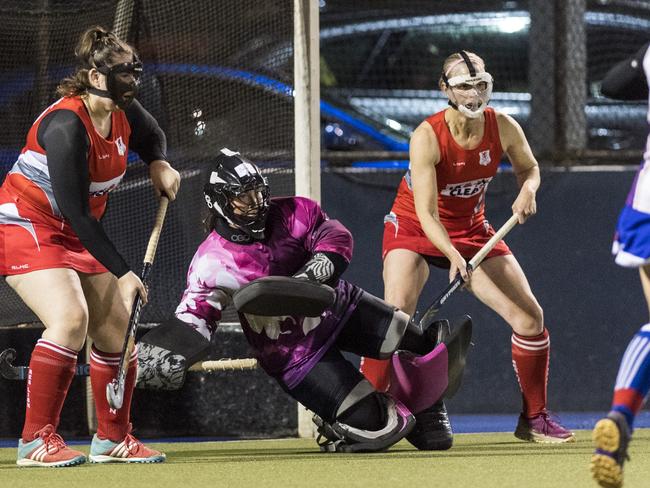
(238, 192)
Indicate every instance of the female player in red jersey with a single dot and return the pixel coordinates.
(438, 219)
(55, 254)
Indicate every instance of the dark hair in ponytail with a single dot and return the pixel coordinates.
(96, 47)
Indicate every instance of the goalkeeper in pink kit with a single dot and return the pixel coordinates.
(253, 236)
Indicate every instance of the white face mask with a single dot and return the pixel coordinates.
(470, 94)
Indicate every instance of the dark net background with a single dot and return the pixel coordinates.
(206, 83)
(219, 74)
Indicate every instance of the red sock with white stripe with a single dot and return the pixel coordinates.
(111, 424)
(530, 358)
(51, 369)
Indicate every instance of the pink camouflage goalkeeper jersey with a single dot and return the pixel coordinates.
(286, 347)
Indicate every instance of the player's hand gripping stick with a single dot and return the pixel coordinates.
(428, 317)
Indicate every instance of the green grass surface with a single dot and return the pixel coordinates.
(476, 460)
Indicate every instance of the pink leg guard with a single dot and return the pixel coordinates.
(419, 381)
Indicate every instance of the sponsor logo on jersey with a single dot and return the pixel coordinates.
(103, 156)
(459, 163)
(484, 158)
(240, 238)
(466, 189)
(121, 147)
(20, 266)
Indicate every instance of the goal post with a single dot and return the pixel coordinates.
(306, 69)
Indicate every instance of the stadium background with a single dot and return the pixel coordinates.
(216, 75)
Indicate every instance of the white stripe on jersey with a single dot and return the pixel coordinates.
(36, 160)
(11, 210)
(99, 187)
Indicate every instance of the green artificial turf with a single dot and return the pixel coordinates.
(476, 460)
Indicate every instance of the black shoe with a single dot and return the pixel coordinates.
(432, 430)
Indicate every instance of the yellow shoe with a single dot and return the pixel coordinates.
(611, 437)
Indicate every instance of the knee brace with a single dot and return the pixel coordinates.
(165, 354)
(394, 334)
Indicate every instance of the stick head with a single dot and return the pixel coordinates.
(115, 394)
(7, 368)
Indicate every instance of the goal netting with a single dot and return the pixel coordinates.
(209, 81)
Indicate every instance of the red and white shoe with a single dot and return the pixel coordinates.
(48, 449)
(130, 450)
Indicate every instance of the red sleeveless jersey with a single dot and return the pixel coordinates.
(33, 233)
(29, 178)
(462, 175)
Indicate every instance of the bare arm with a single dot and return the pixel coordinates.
(424, 154)
(524, 165)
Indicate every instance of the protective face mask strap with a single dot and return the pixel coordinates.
(116, 89)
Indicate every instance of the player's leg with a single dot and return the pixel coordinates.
(350, 414)
(426, 368)
(500, 283)
(405, 273)
(56, 297)
(633, 379)
(613, 433)
(107, 323)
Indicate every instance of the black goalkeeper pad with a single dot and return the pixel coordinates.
(274, 296)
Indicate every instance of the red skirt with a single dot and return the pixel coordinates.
(402, 232)
(31, 240)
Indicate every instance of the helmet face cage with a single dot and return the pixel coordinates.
(468, 93)
(231, 178)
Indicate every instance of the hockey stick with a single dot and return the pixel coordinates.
(428, 317)
(115, 389)
(10, 372)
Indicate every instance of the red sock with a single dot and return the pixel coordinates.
(377, 371)
(111, 424)
(51, 370)
(530, 355)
